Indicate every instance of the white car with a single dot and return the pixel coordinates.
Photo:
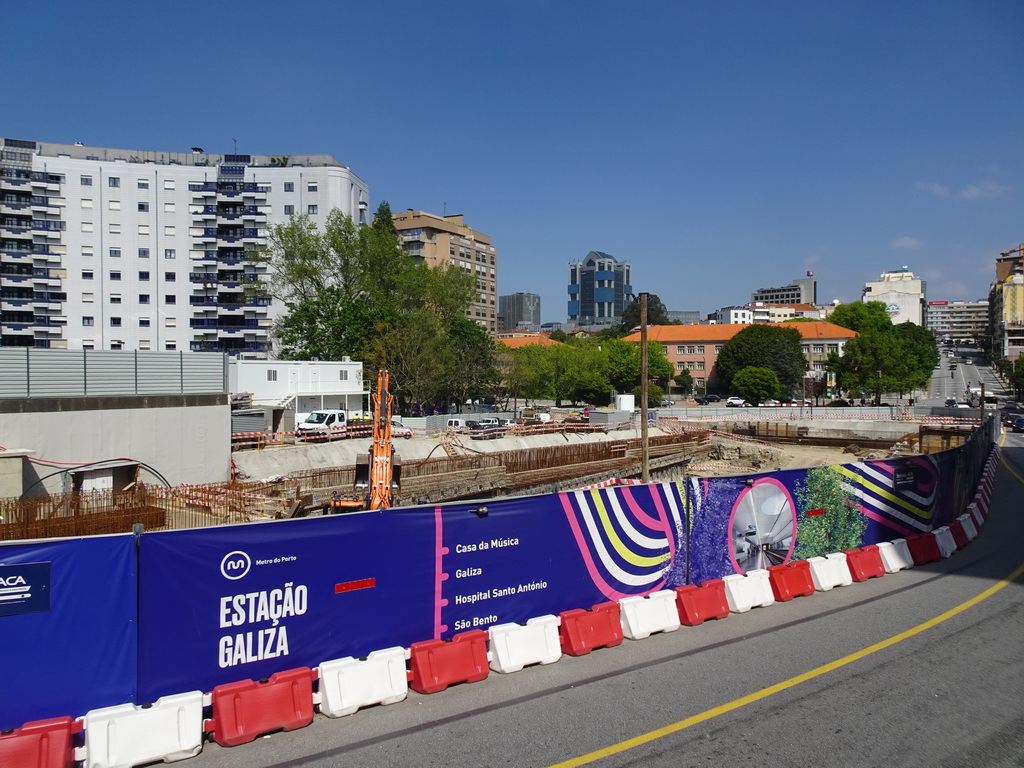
(398, 429)
(770, 403)
(736, 402)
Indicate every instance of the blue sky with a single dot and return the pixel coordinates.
(719, 146)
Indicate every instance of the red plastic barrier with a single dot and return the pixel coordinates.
(246, 709)
(924, 548)
(698, 604)
(39, 744)
(789, 581)
(436, 664)
(959, 534)
(582, 631)
(865, 563)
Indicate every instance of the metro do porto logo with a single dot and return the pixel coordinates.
(235, 565)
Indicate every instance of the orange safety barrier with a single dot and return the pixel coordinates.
(865, 563)
(39, 744)
(582, 631)
(246, 709)
(789, 581)
(698, 604)
(436, 664)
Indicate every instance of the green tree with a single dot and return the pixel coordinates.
(879, 362)
(624, 363)
(861, 316)
(838, 527)
(773, 346)
(559, 335)
(326, 326)
(657, 313)
(684, 380)
(755, 385)
(654, 395)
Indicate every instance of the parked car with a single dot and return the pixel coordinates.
(1018, 424)
(667, 403)
(736, 402)
(713, 398)
(770, 403)
(398, 429)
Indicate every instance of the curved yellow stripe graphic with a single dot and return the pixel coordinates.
(613, 537)
(923, 514)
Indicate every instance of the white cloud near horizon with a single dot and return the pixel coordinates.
(978, 191)
(906, 243)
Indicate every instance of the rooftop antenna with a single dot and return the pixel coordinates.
(236, 145)
(444, 206)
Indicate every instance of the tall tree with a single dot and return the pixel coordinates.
(861, 316)
(771, 346)
(657, 313)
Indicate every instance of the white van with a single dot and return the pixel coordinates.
(456, 425)
(325, 423)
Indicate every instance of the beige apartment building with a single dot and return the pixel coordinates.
(448, 241)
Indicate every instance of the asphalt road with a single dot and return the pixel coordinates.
(949, 695)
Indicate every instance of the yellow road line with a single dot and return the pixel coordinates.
(1005, 463)
(764, 693)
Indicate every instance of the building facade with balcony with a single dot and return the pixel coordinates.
(801, 291)
(448, 240)
(106, 248)
(600, 288)
(958, 319)
(1006, 306)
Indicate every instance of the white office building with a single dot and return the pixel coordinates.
(127, 249)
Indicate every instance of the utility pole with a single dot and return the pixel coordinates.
(645, 450)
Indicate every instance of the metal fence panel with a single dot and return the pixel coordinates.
(13, 377)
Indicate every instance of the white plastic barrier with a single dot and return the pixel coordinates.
(969, 527)
(127, 735)
(513, 646)
(830, 571)
(945, 540)
(643, 616)
(895, 555)
(347, 684)
(975, 513)
(751, 591)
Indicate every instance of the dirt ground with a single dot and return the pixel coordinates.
(731, 456)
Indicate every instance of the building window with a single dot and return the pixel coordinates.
(679, 350)
(289, 210)
(700, 365)
(168, 253)
(311, 187)
(87, 250)
(289, 186)
(700, 350)
(114, 205)
(170, 346)
(718, 348)
(311, 209)
(88, 321)
(691, 350)
(87, 298)
(86, 181)
(665, 348)
(168, 207)
(168, 183)
(143, 253)
(271, 375)
(170, 299)
(143, 322)
(169, 277)
(115, 345)
(87, 274)
(87, 226)
(143, 277)
(87, 345)
(115, 322)
(680, 366)
(143, 298)
(819, 349)
(143, 184)
(115, 298)
(144, 344)
(343, 375)
(114, 181)
(143, 207)
(114, 228)
(170, 322)
(169, 230)
(87, 202)
(114, 253)
(115, 275)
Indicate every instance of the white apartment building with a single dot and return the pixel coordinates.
(901, 292)
(128, 249)
(958, 319)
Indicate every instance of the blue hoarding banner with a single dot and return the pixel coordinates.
(237, 602)
(67, 626)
